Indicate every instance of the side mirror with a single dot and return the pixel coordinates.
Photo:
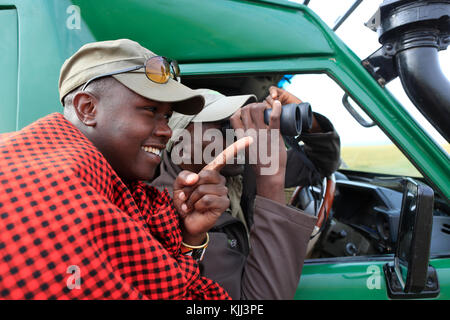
(410, 275)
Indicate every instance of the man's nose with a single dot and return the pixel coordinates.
(163, 130)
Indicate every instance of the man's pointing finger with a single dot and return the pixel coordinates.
(230, 152)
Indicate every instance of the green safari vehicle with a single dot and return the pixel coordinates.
(387, 233)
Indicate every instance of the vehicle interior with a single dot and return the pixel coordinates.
(363, 212)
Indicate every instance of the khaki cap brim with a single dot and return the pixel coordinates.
(223, 108)
(184, 100)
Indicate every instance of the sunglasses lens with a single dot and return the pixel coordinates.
(157, 69)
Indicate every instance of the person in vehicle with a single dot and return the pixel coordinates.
(77, 219)
(257, 246)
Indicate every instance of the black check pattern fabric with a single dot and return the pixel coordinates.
(71, 229)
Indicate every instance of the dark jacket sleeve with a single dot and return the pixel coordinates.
(319, 158)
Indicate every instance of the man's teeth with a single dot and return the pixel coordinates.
(152, 150)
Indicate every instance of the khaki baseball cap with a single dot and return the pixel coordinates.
(217, 107)
(98, 58)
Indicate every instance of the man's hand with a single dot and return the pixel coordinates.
(268, 156)
(286, 97)
(281, 95)
(201, 198)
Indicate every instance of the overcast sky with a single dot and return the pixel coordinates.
(363, 42)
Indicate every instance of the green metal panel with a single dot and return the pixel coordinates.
(44, 43)
(8, 67)
(346, 280)
(443, 270)
(207, 30)
(342, 281)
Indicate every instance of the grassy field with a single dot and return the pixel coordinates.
(382, 159)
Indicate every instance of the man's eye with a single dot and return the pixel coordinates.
(151, 109)
(167, 116)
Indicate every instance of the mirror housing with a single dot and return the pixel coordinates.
(410, 275)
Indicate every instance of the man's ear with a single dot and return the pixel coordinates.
(85, 105)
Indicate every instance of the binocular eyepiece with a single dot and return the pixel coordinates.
(294, 118)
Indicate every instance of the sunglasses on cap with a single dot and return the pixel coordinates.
(157, 69)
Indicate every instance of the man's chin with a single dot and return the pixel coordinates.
(147, 175)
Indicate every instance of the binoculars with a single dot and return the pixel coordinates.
(294, 118)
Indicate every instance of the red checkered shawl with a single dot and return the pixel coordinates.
(70, 228)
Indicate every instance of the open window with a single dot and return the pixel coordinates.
(363, 221)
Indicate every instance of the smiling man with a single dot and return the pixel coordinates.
(77, 221)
